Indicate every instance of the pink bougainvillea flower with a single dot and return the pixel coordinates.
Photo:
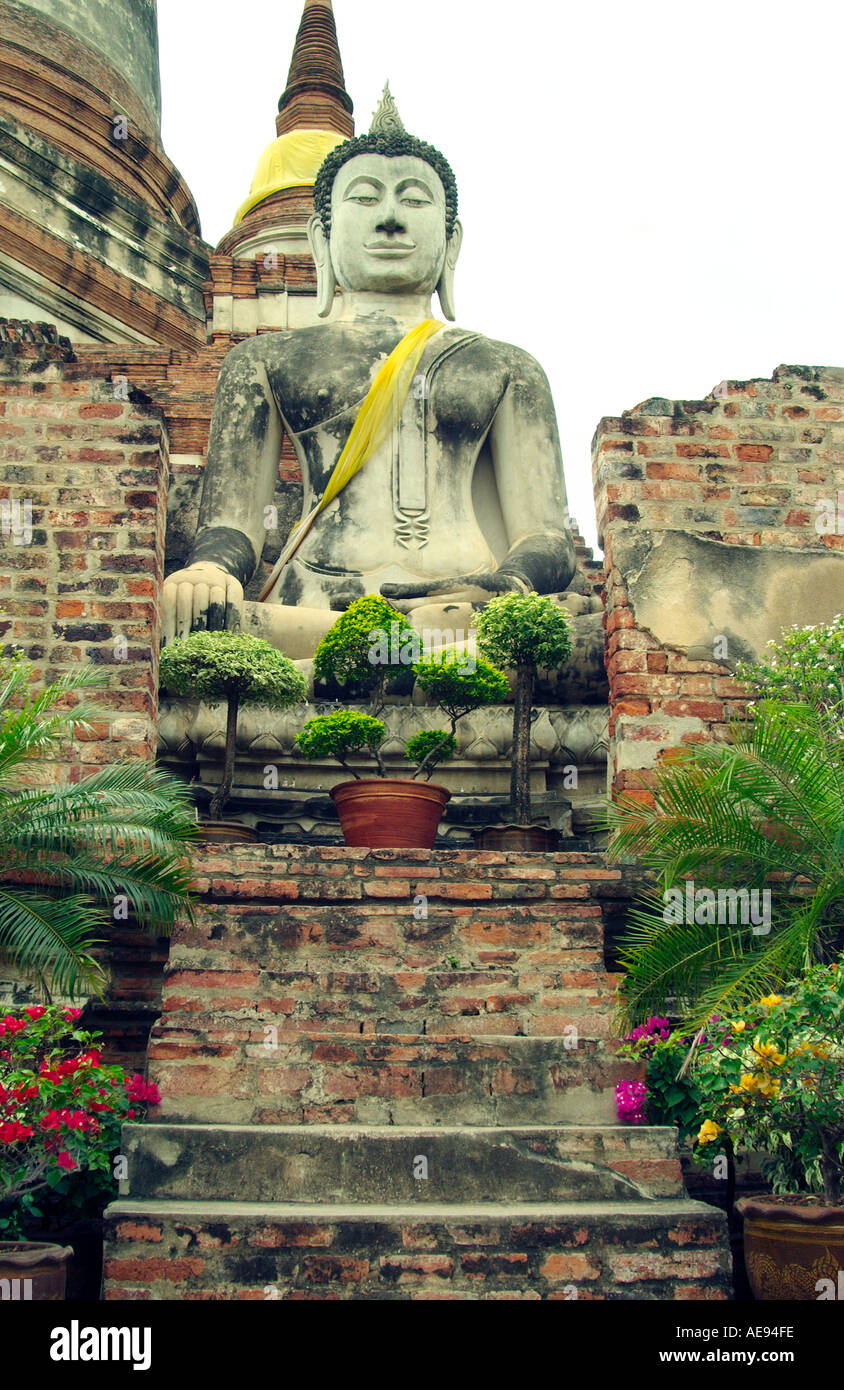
(629, 1100)
(144, 1092)
(65, 1161)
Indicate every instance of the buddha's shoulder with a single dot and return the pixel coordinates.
(321, 341)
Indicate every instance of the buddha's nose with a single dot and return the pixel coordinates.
(390, 224)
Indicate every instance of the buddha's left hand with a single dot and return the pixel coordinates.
(467, 588)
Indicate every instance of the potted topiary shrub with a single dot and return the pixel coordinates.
(241, 670)
(787, 1100)
(522, 632)
(367, 647)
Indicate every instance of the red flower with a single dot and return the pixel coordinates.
(35, 1011)
(22, 1093)
(12, 1025)
(146, 1093)
(14, 1133)
(65, 1161)
(71, 1015)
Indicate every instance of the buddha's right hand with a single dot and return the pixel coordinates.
(203, 596)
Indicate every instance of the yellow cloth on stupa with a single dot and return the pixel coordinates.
(291, 161)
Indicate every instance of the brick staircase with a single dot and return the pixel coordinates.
(389, 1074)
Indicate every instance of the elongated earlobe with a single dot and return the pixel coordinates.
(321, 252)
(445, 289)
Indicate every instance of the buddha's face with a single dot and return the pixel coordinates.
(388, 225)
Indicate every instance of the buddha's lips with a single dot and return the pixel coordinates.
(393, 248)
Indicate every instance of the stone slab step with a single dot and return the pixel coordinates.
(663, 1250)
(336, 1164)
(238, 1074)
(374, 994)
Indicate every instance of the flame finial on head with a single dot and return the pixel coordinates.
(386, 120)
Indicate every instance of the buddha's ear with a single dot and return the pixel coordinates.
(445, 289)
(321, 252)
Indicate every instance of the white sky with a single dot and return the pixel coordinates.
(651, 192)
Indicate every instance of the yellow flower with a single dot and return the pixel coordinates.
(769, 1086)
(820, 1051)
(768, 1052)
(749, 1082)
(738, 1027)
(771, 1000)
(708, 1131)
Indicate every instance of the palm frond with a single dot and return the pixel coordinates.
(51, 937)
(765, 809)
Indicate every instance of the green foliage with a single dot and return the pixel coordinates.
(458, 690)
(806, 664)
(524, 630)
(341, 735)
(771, 802)
(219, 665)
(431, 747)
(675, 1097)
(120, 833)
(785, 1059)
(348, 652)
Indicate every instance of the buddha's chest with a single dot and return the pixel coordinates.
(453, 395)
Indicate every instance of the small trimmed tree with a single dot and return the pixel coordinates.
(237, 668)
(368, 646)
(523, 632)
(458, 686)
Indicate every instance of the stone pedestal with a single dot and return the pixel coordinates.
(389, 1074)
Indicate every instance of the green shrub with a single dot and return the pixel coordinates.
(457, 690)
(430, 747)
(237, 668)
(523, 632)
(806, 664)
(226, 665)
(351, 654)
(341, 736)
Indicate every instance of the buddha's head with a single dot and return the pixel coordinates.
(386, 216)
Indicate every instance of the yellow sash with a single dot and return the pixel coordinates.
(378, 416)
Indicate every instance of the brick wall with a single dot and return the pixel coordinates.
(397, 983)
(93, 471)
(743, 468)
(90, 474)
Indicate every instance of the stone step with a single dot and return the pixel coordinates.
(673, 1249)
(406, 926)
(399, 1165)
(368, 997)
(242, 1075)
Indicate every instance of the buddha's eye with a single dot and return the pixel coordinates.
(366, 199)
(415, 202)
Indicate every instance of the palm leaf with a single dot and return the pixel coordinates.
(51, 937)
(767, 808)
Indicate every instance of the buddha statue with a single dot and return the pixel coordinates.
(460, 497)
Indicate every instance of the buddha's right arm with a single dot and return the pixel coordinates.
(239, 484)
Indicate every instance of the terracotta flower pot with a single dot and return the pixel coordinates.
(390, 813)
(32, 1271)
(522, 839)
(791, 1244)
(227, 832)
